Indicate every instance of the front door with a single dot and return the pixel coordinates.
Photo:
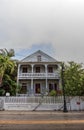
(37, 88)
(24, 88)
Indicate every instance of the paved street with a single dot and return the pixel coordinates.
(41, 120)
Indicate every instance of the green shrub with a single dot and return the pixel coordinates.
(52, 93)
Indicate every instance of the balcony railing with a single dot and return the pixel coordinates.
(38, 75)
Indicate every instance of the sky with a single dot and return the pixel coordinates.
(53, 26)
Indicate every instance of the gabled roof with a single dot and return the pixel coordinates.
(33, 57)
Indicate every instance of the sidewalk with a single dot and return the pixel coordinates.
(40, 112)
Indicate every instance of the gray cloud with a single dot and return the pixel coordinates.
(24, 23)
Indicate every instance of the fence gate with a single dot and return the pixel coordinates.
(1, 104)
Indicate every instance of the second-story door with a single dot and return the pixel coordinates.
(37, 69)
(50, 69)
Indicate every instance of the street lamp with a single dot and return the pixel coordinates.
(63, 87)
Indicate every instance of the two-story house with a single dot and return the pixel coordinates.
(38, 73)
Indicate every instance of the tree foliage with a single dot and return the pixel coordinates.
(7, 72)
(6, 62)
(74, 79)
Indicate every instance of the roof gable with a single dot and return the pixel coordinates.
(38, 56)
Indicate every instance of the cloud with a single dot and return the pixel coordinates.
(28, 23)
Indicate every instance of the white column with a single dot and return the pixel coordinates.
(18, 77)
(32, 88)
(60, 80)
(46, 77)
(32, 68)
(18, 73)
(32, 84)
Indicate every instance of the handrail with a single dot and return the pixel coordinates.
(33, 75)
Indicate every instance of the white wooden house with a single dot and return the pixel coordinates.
(38, 73)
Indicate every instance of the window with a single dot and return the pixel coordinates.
(37, 88)
(52, 86)
(55, 86)
(50, 69)
(39, 58)
(24, 70)
(37, 69)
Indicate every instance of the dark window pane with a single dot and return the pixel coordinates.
(55, 87)
(37, 69)
(24, 70)
(50, 69)
(50, 87)
(37, 89)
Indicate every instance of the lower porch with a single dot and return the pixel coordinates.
(39, 87)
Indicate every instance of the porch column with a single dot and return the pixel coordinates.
(18, 73)
(60, 79)
(46, 78)
(32, 84)
(32, 89)
(32, 67)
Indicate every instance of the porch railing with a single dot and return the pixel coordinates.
(38, 75)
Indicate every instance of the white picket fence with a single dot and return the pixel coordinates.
(45, 103)
(46, 99)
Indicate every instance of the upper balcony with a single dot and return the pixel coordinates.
(39, 75)
(38, 72)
